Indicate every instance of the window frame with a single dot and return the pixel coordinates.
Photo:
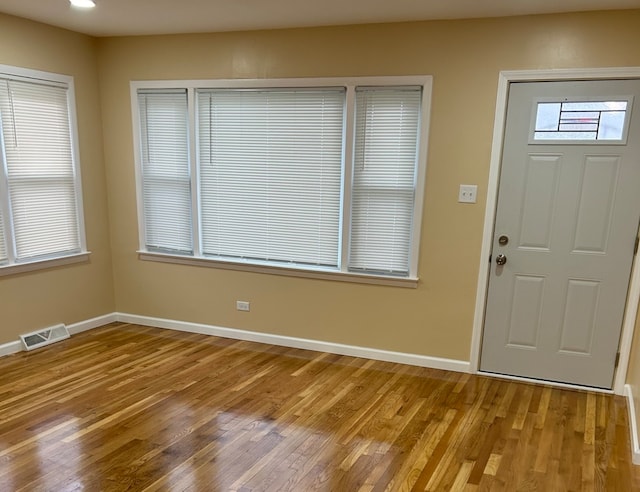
(350, 84)
(16, 266)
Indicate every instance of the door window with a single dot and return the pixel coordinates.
(568, 121)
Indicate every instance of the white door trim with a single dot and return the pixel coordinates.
(506, 77)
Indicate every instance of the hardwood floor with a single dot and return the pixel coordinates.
(126, 407)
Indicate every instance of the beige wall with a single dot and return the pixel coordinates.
(464, 57)
(79, 292)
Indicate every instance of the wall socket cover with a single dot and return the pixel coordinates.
(243, 305)
(468, 193)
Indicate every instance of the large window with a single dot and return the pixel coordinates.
(318, 176)
(40, 199)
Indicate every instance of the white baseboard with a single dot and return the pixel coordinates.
(301, 343)
(633, 425)
(92, 323)
(10, 348)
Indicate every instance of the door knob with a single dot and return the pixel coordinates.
(501, 259)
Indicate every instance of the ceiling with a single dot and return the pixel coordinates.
(139, 17)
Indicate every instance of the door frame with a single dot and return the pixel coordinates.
(633, 294)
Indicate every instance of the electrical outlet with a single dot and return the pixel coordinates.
(243, 305)
(468, 193)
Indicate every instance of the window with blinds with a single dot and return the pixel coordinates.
(320, 177)
(384, 179)
(166, 178)
(40, 212)
(270, 174)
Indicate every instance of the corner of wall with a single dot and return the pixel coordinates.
(633, 425)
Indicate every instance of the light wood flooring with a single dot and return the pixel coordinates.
(126, 407)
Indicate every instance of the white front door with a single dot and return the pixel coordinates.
(565, 229)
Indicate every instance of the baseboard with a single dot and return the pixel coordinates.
(633, 425)
(10, 348)
(301, 343)
(92, 323)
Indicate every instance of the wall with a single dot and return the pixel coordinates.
(72, 293)
(633, 382)
(464, 57)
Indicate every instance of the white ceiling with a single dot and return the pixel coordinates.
(135, 17)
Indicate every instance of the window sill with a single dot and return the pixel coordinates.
(410, 283)
(44, 264)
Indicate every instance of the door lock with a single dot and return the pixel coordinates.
(501, 259)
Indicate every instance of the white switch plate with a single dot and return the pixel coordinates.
(468, 193)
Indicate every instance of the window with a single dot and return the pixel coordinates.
(582, 121)
(384, 179)
(40, 200)
(270, 174)
(166, 181)
(310, 175)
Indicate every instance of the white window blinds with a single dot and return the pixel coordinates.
(39, 170)
(321, 175)
(270, 174)
(3, 246)
(166, 177)
(384, 179)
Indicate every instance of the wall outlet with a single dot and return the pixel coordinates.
(468, 193)
(243, 305)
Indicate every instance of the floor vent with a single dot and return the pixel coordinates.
(41, 338)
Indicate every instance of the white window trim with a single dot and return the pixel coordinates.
(50, 261)
(41, 264)
(350, 83)
(279, 270)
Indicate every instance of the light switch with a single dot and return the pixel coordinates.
(468, 193)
